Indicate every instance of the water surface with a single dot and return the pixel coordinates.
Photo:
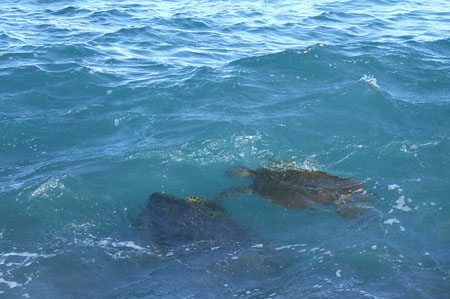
(103, 103)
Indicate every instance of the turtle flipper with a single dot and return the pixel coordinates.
(351, 210)
(355, 204)
(240, 172)
(234, 192)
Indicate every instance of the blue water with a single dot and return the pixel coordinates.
(104, 102)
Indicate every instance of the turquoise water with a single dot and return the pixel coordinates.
(104, 103)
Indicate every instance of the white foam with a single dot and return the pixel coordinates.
(393, 187)
(128, 244)
(309, 163)
(116, 249)
(304, 50)
(292, 246)
(371, 80)
(83, 226)
(338, 273)
(369, 295)
(121, 244)
(401, 205)
(52, 183)
(27, 258)
(391, 221)
(10, 284)
(21, 254)
(258, 246)
(14, 284)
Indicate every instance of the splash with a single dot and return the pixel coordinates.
(371, 80)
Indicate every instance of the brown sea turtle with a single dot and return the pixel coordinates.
(299, 188)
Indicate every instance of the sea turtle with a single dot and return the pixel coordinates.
(197, 236)
(171, 220)
(208, 232)
(299, 188)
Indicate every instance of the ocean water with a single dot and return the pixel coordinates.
(104, 102)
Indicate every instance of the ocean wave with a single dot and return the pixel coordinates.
(13, 269)
(317, 62)
(7, 40)
(328, 64)
(117, 249)
(69, 11)
(143, 33)
(102, 15)
(187, 22)
(104, 103)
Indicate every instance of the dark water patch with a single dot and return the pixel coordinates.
(69, 11)
(437, 49)
(51, 28)
(138, 34)
(63, 82)
(8, 40)
(338, 16)
(15, 59)
(102, 15)
(186, 22)
(72, 52)
(290, 61)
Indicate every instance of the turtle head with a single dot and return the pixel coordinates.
(240, 172)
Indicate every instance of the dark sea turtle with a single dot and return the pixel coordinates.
(215, 242)
(299, 188)
(171, 220)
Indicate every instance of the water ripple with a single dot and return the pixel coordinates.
(103, 103)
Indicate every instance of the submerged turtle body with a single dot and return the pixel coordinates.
(170, 220)
(296, 188)
(200, 235)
